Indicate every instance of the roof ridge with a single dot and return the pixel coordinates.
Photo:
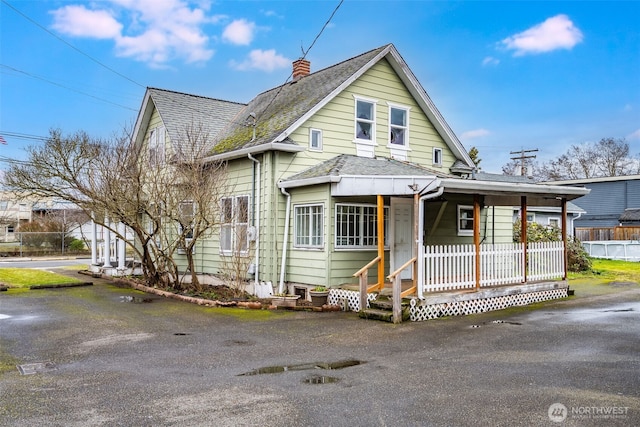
(195, 96)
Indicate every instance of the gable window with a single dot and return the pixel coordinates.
(365, 119)
(309, 226)
(357, 226)
(398, 126)
(156, 146)
(437, 156)
(234, 221)
(465, 220)
(315, 139)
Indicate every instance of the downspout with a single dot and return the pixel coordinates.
(285, 240)
(420, 237)
(256, 218)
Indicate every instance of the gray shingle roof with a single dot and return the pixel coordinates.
(630, 215)
(180, 111)
(346, 164)
(279, 108)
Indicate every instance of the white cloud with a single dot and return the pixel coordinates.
(239, 32)
(265, 60)
(156, 32)
(473, 134)
(634, 135)
(490, 60)
(557, 32)
(78, 21)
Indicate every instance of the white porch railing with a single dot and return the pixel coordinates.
(452, 267)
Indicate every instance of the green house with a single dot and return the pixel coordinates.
(342, 176)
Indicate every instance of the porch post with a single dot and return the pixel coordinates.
(564, 238)
(523, 234)
(381, 241)
(416, 230)
(476, 236)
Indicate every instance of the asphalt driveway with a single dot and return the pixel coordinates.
(100, 356)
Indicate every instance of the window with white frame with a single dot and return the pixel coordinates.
(157, 146)
(398, 125)
(554, 222)
(186, 212)
(308, 226)
(465, 220)
(365, 120)
(437, 156)
(357, 226)
(234, 221)
(315, 139)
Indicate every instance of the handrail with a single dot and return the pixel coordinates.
(396, 296)
(399, 270)
(366, 267)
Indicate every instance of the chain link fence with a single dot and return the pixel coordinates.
(34, 244)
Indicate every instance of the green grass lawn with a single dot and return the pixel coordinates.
(606, 277)
(25, 277)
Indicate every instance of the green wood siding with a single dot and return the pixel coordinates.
(337, 122)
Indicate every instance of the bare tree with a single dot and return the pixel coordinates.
(121, 181)
(607, 157)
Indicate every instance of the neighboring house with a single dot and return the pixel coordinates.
(605, 205)
(13, 212)
(552, 216)
(352, 169)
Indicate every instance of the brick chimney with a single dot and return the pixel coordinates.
(301, 68)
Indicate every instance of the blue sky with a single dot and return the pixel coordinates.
(506, 76)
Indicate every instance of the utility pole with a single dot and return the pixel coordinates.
(523, 156)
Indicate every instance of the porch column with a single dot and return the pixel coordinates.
(107, 244)
(94, 243)
(381, 241)
(121, 246)
(416, 230)
(523, 234)
(476, 236)
(563, 221)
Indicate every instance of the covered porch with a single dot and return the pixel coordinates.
(472, 277)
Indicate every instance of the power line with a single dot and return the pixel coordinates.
(69, 44)
(304, 55)
(65, 87)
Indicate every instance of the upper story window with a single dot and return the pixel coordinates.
(365, 120)
(437, 156)
(187, 212)
(157, 146)
(399, 125)
(315, 139)
(4, 204)
(465, 220)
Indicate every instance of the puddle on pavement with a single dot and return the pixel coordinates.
(304, 366)
(34, 368)
(623, 310)
(321, 379)
(497, 322)
(181, 334)
(135, 300)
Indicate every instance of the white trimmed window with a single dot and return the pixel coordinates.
(315, 139)
(234, 221)
(365, 121)
(437, 156)
(465, 220)
(157, 146)
(186, 212)
(554, 222)
(308, 226)
(399, 125)
(357, 226)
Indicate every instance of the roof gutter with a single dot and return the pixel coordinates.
(490, 187)
(244, 152)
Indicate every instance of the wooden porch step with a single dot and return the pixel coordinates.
(382, 309)
(376, 314)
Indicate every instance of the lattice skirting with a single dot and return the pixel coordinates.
(420, 311)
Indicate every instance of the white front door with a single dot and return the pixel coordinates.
(401, 235)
